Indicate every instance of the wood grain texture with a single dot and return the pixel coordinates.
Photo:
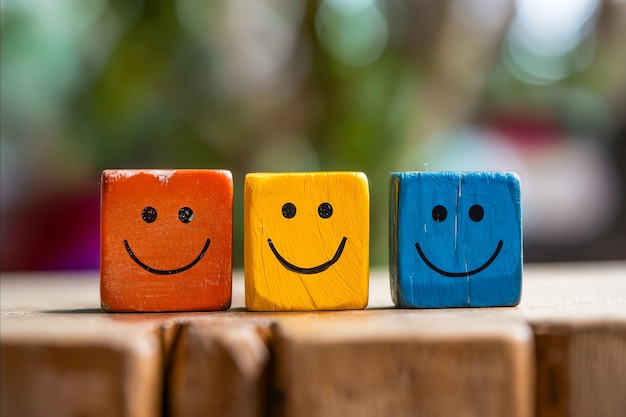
(219, 368)
(306, 241)
(62, 356)
(87, 377)
(576, 311)
(581, 368)
(455, 239)
(390, 364)
(166, 240)
(553, 376)
(597, 362)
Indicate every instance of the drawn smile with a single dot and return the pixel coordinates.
(166, 271)
(458, 274)
(314, 270)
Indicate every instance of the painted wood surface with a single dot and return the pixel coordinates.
(166, 240)
(306, 241)
(455, 239)
(576, 312)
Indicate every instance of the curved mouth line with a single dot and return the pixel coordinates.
(166, 271)
(314, 270)
(458, 274)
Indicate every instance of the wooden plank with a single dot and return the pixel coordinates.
(581, 369)
(61, 355)
(574, 292)
(597, 362)
(219, 368)
(401, 364)
(576, 311)
(79, 366)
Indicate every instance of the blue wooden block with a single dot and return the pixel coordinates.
(455, 239)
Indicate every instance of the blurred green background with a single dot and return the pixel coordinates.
(536, 87)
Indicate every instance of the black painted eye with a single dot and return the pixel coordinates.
(289, 210)
(149, 214)
(185, 214)
(439, 213)
(476, 212)
(325, 210)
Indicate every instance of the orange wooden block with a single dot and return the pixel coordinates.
(166, 240)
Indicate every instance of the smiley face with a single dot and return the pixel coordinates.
(456, 239)
(149, 215)
(166, 240)
(325, 211)
(306, 244)
(476, 213)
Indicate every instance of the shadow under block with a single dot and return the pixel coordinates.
(388, 364)
(455, 239)
(166, 240)
(219, 368)
(306, 241)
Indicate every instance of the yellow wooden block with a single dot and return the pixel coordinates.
(306, 241)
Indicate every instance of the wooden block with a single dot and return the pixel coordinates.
(306, 241)
(77, 365)
(455, 239)
(219, 369)
(166, 240)
(387, 364)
